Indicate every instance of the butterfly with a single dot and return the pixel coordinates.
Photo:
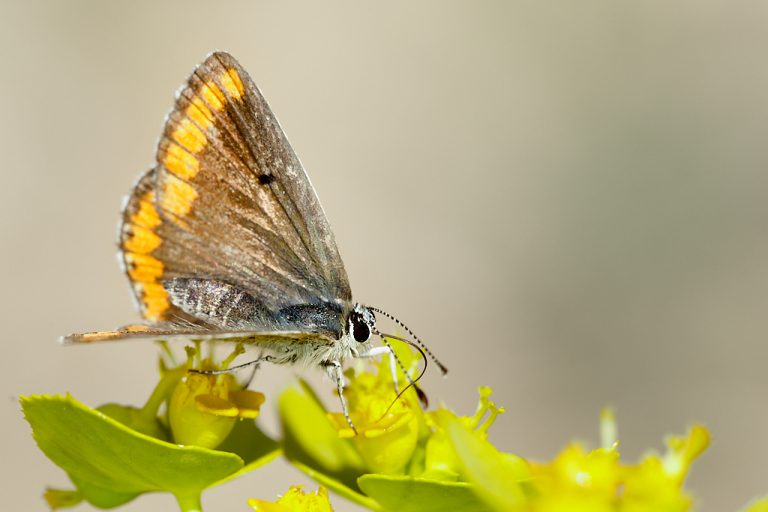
(225, 239)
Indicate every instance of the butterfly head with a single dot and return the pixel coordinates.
(361, 323)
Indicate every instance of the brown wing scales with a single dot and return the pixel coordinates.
(235, 202)
(228, 201)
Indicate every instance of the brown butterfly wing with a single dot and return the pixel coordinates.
(229, 200)
(139, 242)
(181, 333)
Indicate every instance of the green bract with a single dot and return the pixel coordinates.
(414, 494)
(311, 442)
(111, 464)
(498, 477)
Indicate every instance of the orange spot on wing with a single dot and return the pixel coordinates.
(189, 136)
(236, 78)
(213, 96)
(200, 114)
(155, 300)
(144, 268)
(146, 271)
(136, 328)
(178, 196)
(232, 83)
(180, 162)
(141, 240)
(146, 215)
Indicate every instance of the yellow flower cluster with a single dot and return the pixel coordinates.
(295, 500)
(401, 439)
(598, 480)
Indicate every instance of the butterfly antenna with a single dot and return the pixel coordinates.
(422, 396)
(411, 383)
(440, 365)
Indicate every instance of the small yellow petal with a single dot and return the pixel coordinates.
(247, 402)
(295, 500)
(217, 406)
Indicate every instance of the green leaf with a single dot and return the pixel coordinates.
(136, 419)
(310, 439)
(414, 494)
(252, 445)
(497, 476)
(112, 464)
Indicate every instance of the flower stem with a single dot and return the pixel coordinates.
(189, 502)
(161, 391)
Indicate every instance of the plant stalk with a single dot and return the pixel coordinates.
(189, 502)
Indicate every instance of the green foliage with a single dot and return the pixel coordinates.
(311, 442)
(402, 459)
(414, 494)
(110, 463)
(114, 453)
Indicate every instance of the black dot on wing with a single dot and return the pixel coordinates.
(266, 179)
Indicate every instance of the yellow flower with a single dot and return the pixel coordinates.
(759, 505)
(387, 429)
(295, 500)
(578, 480)
(441, 460)
(657, 481)
(203, 408)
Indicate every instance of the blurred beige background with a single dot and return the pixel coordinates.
(567, 200)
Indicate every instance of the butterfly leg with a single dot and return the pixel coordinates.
(378, 351)
(393, 370)
(394, 362)
(335, 372)
(252, 375)
(255, 363)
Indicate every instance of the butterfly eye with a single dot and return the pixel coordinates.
(360, 329)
